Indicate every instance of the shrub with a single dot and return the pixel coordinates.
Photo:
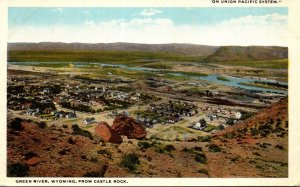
(286, 124)
(75, 127)
(263, 145)
(220, 127)
(16, 124)
(159, 149)
(91, 174)
(203, 171)
(144, 145)
(254, 132)
(130, 161)
(246, 115)
(154, 137)
(63, 152)
(17, 170)
(200, 157)
(228, 136)
(187, 150)
(279, 147)
(214, 148)
(235, 159)
(169, 148)
(94, 159)
(79, 131)
(177, 139)
(71, 140)
(197, 148)
(42, 125)
(65, 126)
(30, 154)
(230, 121)
(205, 139)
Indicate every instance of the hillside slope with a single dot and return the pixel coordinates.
(236, 53)
(259, 143)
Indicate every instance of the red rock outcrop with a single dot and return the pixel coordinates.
(127, 126)
(107, 134)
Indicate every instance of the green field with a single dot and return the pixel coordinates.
(264, 64)
(116, 57)
(158, 66)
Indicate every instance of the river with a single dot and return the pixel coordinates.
(233, 81)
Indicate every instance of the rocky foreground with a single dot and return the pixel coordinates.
(257, 147)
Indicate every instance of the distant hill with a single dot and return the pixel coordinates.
(206, 53)
(236, 53)
(183, 49)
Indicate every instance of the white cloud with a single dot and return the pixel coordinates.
(150, 12)
(137, 23)
(59, 10)
(249, 30)
(269, 19)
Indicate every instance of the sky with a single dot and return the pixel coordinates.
(208, 26)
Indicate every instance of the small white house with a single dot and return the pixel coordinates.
(88, 121)
(70, 115)
(238, 115)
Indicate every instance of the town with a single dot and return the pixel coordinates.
(85, 101)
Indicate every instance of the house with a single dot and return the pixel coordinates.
(47, 111)
(192, 112)
(88, 121)
(231, 121)
(201, 124)
(26, 105)
(33, 112)
(59, 114)
(148, 125)
(71, 115)
(238, 115)
(46, 101)
(56, 100)
(30, 111)
(211, 117)
(47, 91)
(125, 113)
(174, 119)
(134, 98)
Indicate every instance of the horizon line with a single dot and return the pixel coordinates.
(149, 44)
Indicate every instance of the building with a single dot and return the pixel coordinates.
(199, 125)
(70, 115)
(88, 121)
(238, 115)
